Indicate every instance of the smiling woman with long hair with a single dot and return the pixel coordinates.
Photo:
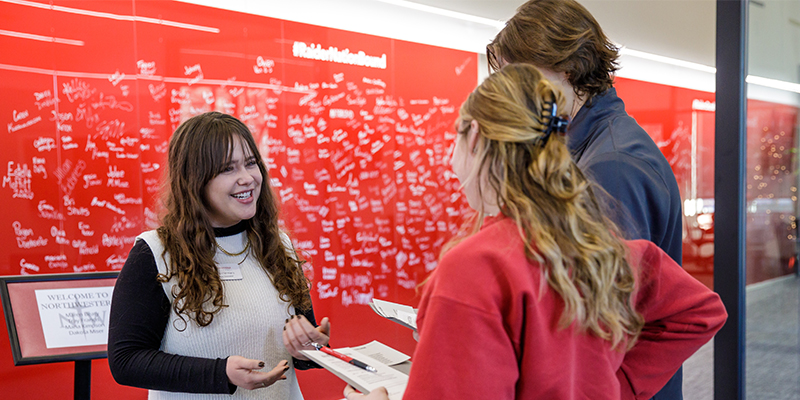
(541, 298)
(203, 303)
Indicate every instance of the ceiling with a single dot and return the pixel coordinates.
(682, 29)
(678, 29)
(492, 9)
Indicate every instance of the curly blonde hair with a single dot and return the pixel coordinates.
(530, 171)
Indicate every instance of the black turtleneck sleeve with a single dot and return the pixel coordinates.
(139, 316)
(302, 364)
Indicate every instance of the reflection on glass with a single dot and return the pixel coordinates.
(772, 360)
(771, 190)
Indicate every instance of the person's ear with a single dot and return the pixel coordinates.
(472, 137)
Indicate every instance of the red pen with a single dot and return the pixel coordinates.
(347, 359)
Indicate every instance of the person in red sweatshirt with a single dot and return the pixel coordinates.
(542, 298)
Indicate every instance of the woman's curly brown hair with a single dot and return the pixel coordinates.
(198, 151)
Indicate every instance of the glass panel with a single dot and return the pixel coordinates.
(772, 361)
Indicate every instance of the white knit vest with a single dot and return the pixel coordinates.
(251, 326)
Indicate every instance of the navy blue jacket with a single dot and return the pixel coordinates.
(615, 152)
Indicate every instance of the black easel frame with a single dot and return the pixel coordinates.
(80, 355)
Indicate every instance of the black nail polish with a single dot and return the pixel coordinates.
(284, 328)
(260, 364)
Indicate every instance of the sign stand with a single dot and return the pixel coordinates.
(57, 318)
(83, 380)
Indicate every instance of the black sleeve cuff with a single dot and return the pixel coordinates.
(221, 372)
(303, 364)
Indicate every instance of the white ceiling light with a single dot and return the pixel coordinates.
(773, 83)
(446, 13)
(703, 79)
(666, 60)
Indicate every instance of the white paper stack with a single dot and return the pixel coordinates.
(374, 354)
(400, 313)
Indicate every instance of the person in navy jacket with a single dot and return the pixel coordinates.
(564, 41)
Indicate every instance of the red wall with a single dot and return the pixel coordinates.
(681, 121)
(357, 155)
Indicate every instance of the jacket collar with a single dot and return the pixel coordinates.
(584, 127)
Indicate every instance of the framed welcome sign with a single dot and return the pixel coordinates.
(57, 317)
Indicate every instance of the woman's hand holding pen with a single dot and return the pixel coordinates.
(298, 334)
(243, 372)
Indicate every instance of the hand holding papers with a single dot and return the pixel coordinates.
(374, 354)
(402, 314)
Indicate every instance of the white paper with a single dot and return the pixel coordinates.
(382, 353)
(376, 309)
(404, 313)
(393, 380)
(74, 316)
(408, 318)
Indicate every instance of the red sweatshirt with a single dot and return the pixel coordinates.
(484, 333)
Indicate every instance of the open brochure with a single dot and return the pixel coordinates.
(374, 354)
(402, 314)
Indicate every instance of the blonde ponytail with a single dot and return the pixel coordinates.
(525, 162)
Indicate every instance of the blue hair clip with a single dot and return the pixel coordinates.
(554, 124)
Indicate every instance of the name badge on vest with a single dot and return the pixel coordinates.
(229, 272)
